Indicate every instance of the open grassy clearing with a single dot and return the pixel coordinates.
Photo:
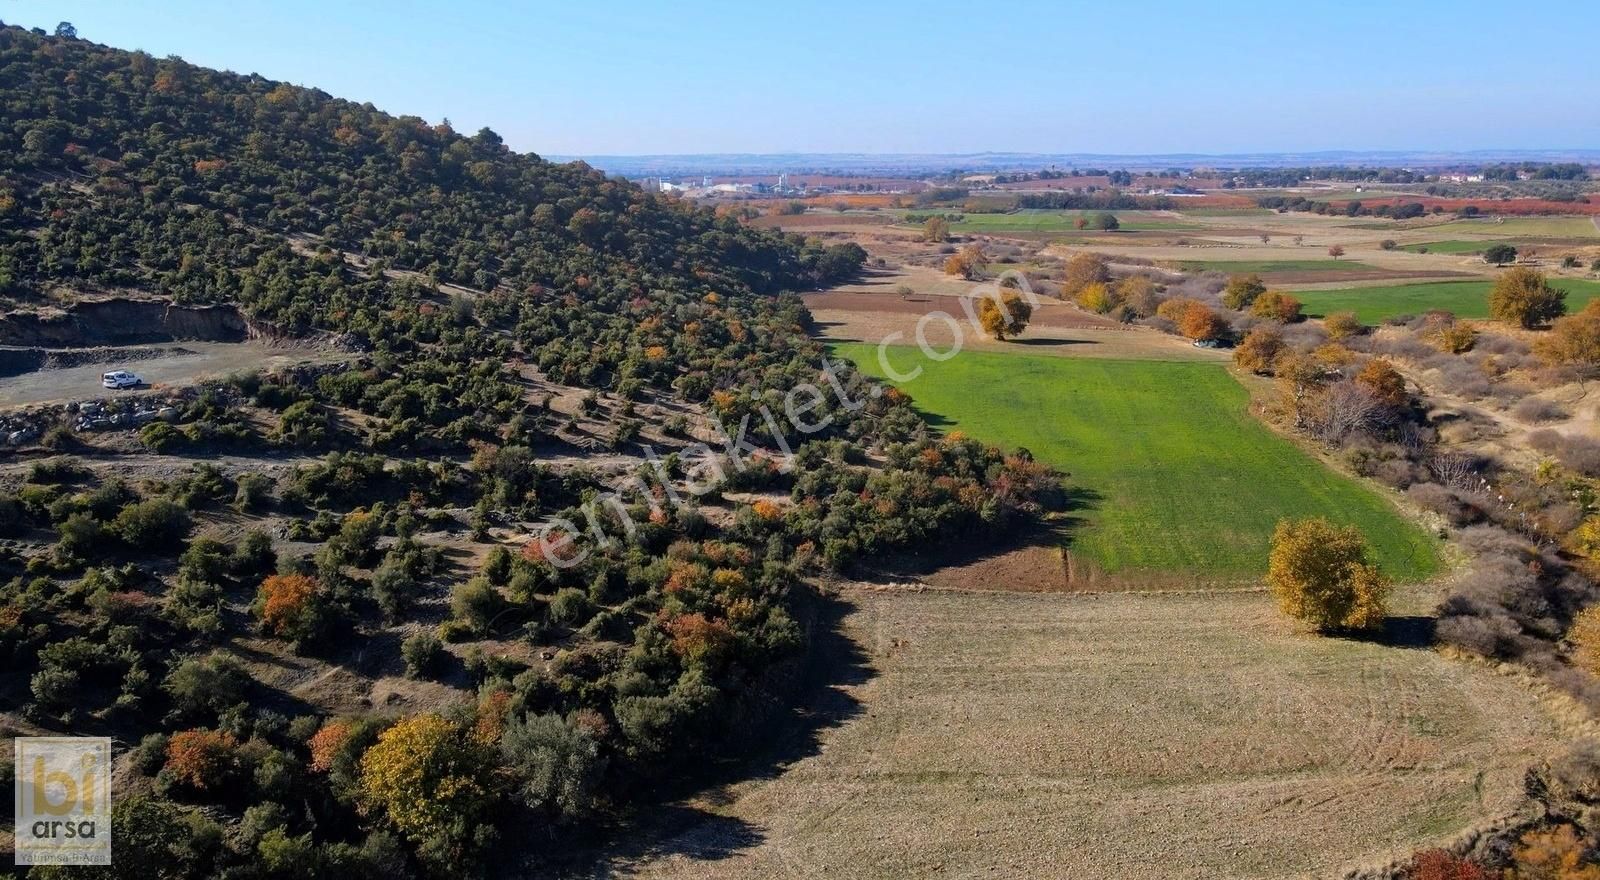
(1185, 478)
(1509, 227)
(1467, 299)
(1115, 736)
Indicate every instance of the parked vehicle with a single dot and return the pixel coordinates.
(119, 379)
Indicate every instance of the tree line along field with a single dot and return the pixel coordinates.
(1052, 221)
(1181, 477)
(1466, 299)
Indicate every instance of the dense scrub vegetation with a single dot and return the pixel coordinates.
(122, 609)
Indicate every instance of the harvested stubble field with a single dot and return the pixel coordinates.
(1179, 476)
(1117, 736)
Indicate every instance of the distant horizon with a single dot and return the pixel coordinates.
(624, 79)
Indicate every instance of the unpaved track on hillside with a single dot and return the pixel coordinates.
(1118, 736)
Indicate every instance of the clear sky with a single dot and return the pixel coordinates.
(926, 76)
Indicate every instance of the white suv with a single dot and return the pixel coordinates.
(118, 379)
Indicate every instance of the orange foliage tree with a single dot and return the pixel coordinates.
(201, 759)
(1009, 317)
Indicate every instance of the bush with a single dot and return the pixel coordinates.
(557, 764)
(208, 685)
(432, 781)
(1524, 297)
(570, 606)
(1320, 574)
(1242, 290)
(1342, 325)
(422, 652)
(156, 523)
(1533, 409)
(476, 603)
(294, 607)
(161, 437)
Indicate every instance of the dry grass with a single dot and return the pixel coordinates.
(1028, 735)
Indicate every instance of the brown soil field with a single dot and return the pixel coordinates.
(1113, 736)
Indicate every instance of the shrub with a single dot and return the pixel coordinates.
(1534, 409)
(206, 685)
(1455, 337)
(476, 603)
(557, 764)
(1342, 325)
(1524, 297)
(1200, 323)
(1574, 339)
(1275, 305)
(293, 607)
(156, 523)
(422, 653)
(1320, 574)
(204, 760)
(1242, 290)
(254, 492)
(1585, 638)
(570, 605)
(1096, 297)
(1259, 351)
(161, 437)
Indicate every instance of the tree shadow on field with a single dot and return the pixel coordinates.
(683, 820)
(1052, 341)
(1408, 631)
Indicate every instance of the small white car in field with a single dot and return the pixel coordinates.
(119, 379)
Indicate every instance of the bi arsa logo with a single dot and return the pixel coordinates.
(63, 800)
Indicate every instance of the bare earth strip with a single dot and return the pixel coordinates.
(1118, 736)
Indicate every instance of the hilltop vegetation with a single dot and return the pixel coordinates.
(152, 589)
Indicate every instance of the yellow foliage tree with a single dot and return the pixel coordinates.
(1242, 290)
(1574, 339)
(1097, 297)
(1005, 319)
(1341, 325)
(1319, 574)
(1083, 270)
(431, 779)
(1275, 305)
(1384, 381)
(1524, 297)
(1585, 638)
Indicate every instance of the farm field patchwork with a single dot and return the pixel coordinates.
(1187, 480)
(1116, 736)
(1467, 299)
(1063, 222)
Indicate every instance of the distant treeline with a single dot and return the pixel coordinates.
(1261, 177)
(1103, 200)
(1352, 208)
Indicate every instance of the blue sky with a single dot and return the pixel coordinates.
(692, 76)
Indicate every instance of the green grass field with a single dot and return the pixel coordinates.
(1183, 478)
(1063, 222)
(1456, 246)
(1511, 227)
(1467, 299)
(1264, 266)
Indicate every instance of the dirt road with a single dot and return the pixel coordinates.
(175, 364)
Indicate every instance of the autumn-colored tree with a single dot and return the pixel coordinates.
(1336, 251)
(1524, 297)
(1259, 351)
(329, 740)
(698, 639)
(1385, 383)
(1275, 305)
(432, 780)
(1139, 293)
(1082, 270)
(291, 606)
(967, 263)
(1242, 290)
(1008, 318)
(936, 230)
(1342, 325)
(1437, 864)
(1320, 574)
(1574, 339)
(1173, 309)
(1557, 853)
(1200, 323)
(1585, 638)
(1097, 297)
(201, 759)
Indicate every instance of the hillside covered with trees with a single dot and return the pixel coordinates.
(460, 273)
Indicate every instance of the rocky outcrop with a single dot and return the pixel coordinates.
(123, 322)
